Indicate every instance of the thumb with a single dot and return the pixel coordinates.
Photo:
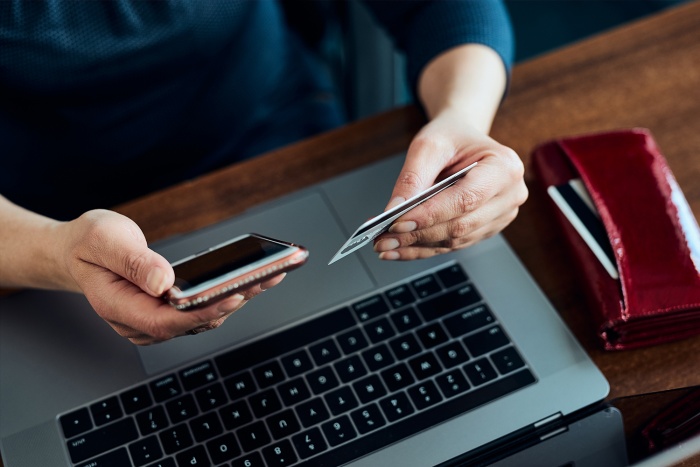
(118, 244)
(417, 174)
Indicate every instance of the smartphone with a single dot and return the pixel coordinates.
(230, 267)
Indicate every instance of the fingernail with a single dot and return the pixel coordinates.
(230, 304)
(386, 245)
(395, 202)
(156, 281)
(389, 255)
(403, 227)
(281, 276)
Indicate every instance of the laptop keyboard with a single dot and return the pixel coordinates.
(324, 392)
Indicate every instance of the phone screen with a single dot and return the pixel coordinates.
(220, 261)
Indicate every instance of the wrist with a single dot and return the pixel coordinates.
(468, 81)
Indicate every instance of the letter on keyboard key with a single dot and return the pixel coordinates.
(339, 430)
(309, 443)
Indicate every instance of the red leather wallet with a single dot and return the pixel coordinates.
(651, 231)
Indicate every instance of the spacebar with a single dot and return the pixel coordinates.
(421, 421)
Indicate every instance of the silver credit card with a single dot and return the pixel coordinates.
(381, 223)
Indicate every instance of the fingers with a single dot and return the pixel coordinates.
(475, 208)
(165, 322)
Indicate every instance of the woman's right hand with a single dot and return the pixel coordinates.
(106, 257)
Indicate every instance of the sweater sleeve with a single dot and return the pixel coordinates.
(424, 29)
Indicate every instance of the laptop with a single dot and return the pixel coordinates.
(362, 362)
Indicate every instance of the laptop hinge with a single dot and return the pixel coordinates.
(547, 420)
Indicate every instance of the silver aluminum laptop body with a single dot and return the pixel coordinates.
(56, 354)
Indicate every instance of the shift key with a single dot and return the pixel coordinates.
(101, 440)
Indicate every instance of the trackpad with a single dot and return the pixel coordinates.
(306, 220)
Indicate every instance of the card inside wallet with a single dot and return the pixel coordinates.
(653, 239)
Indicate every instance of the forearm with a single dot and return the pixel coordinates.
(469, 80)
(29, 248)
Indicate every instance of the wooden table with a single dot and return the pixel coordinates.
(644, 74)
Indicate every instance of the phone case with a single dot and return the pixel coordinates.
(240, 283)
(651, 229)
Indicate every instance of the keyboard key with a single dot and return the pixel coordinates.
(425, 395)
(400, 296)
(164, 463)
(341, 400)
(350, 369)
(294, 391)
(206, 427)
(236, 415)
(452, 354)
(312, 412)
(339, 430)
(193, 456)
(283, 424)
(324, 352)
(265, 403)
(370, 308)
(352, 341)
(452, 383)
(486, 341)
(425, 366)
(442, 305)
(507, 360)
(297, 363)
(290, 340)
(280, 453)
(480, 372)
(181, 408)
(106, 411)
(253, 436)
(76, 422)
(452, 275)
(469, 320)
(145, 450)
(176, 438)
(116, 458)
(152, 420)
(165, 388)
(378, 357)
(397, 377)
(368, 418)
(322, 380)
(432, 335)
(136, 399)
(379, 330)
(405, 319)
(405, 346)
(198, 375)
(103, 439)
(223, 449)
(309, 443)
(426, 286)
(268, 374)
(369, 389)
(240, 385)
(211, 397)
(250, 460)
(396, 406)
